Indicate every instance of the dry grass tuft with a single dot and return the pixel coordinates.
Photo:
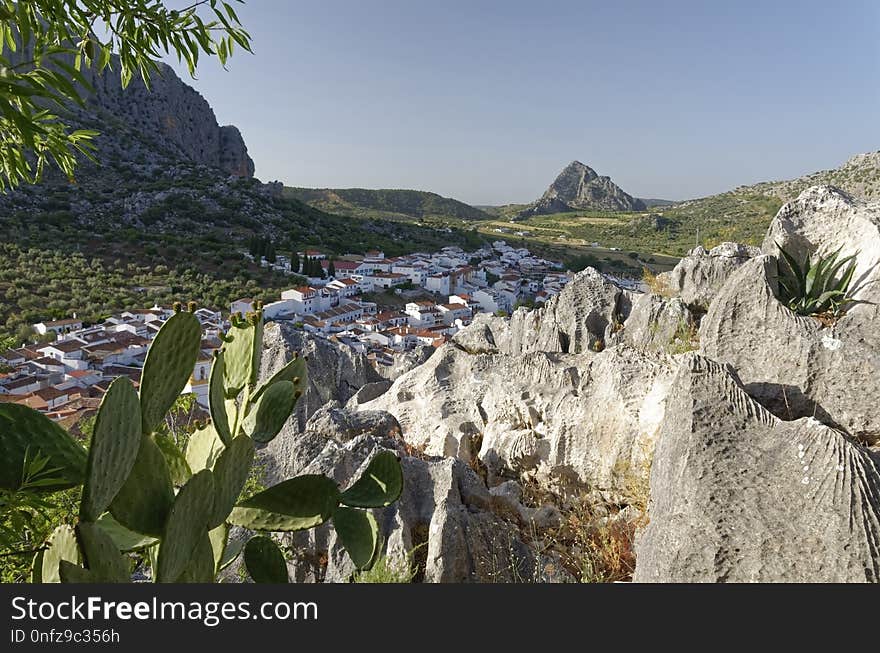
(594, 541)
(655, 284)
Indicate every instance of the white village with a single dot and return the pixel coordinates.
(343, 300)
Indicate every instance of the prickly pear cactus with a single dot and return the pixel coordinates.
(131, 473)
(116, 440)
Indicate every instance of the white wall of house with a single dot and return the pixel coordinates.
(438, 284)
(240, 306)
(283, 308)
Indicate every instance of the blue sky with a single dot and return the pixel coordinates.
(486, 100)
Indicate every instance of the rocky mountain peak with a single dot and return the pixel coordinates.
(578, 187)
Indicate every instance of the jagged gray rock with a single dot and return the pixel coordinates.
(738, 495)
(659, 324)
(174, 116)
(335, 374)
(445, 514)
(531, 393)
(576, 320)
(588, 417)
(578, 187)
(405, 361)
(698, 277)
(793, 364)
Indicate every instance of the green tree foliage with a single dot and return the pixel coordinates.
(45, 45)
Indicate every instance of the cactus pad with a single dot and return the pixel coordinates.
(268, 416)
(359, 534)
(238, 351)
(296, 504)
(143, 503)
(200, 568)
(187, 525)
(217, 399)
(264, 561)
(380, 485)
(170, 362)
(102, 558)
(295, 371)
(124, 539)
(61, 546)
(71, 573)
(203, 449)
(178, 468)
(230, 474)
(116, 440)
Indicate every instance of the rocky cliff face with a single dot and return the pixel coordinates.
(172, 117)
(579, 188)
(170, 122)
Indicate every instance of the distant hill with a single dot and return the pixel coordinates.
(741, 215)
(385, 203)
(744, 213)
(652, 203)
(580, 188)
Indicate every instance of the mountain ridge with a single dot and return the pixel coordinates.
(392, 202)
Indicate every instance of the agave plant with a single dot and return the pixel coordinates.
(814, 288)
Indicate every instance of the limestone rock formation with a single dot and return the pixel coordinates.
(748, 453)
(335, 374)
(589, 417)
(794, 365)
(578, 319)
(445, 515)
(659, 324)
(172, 116)
(577, 188)
(738, 495)
(406, 361)
(698, 277)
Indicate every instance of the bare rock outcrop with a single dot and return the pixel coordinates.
(173, 115)
(335, 374)
(659, 324)
(576, 320)
(698, 277)
(405, 361)
(589, 417)
(794, 365)
(738, 495)
(578, 187)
